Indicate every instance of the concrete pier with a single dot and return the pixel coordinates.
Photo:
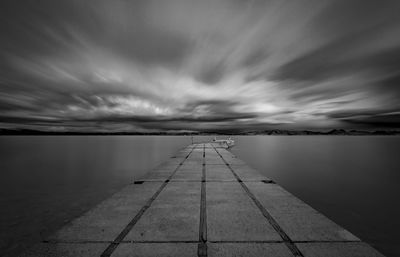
(203, 202)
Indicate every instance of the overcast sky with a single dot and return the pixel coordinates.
(199, 65)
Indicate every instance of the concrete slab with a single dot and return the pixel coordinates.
(156, 250)
(190, 165)
(338, 249)
(225, 152)
(210, 152)
(65, 250)
(192, 162)
(231, 216)
(187, 176)
(219, 173)
(110, 217)
(229, 157)
(212, 157)
(195, 158)
(246, 173)
(216, 145)
(188, 171)
(197, 151)
(196, 154)
(214, 160)
(297, 219)
(173, 216)
(248, 250)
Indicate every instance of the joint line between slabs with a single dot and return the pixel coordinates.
(202, 246)
(112, 246)
(286, 239)
(196, 242)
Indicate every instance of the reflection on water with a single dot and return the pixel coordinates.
(46, 181)
(352, 180)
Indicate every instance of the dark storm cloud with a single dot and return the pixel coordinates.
(379, 121)
(389, 118)
(362, 38)
(336, 59)
(198, 65)
(123, 122)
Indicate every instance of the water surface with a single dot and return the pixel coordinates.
(48, 180)
(354, 180)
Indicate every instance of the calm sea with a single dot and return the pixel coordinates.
(354, 180)
(47, 181)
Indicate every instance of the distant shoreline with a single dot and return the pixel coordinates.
(338, 132)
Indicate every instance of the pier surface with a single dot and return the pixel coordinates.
(203, 202)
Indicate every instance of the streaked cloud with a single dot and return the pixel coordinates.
(199, 65)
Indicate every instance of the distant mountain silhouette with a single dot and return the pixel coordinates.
(262, 132)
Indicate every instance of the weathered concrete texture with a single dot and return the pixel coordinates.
(297, 219)
(173, 216)
(188, 172)
(195, 159)
(232, 216)
(248, 250)
(195, 156)
(214, 160)
(156, 250)
(194, 162)
(225, 153)
(215, 145)
(246, 173)
(65, 250)
(338, 250)
(109, 218)
(219, 173)
(230, 158)
(209, 150)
